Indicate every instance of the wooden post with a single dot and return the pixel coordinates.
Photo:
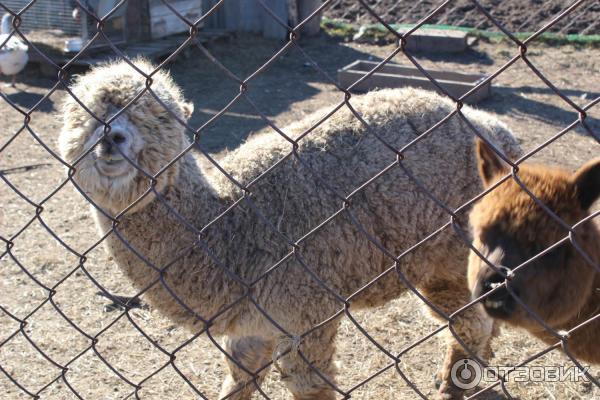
(305, 8)
(249, 16)
(137, 21)
(217, 19)
(270, 27)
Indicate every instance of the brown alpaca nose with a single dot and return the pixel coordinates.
(500, 303)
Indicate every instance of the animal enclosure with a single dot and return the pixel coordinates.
(72, 324)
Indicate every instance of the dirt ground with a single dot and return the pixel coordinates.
(288, 90)
(515, 15)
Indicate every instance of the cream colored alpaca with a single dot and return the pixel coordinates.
(199, 268)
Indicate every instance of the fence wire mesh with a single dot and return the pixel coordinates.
(90, 342)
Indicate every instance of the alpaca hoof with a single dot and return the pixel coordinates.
(437, 380)
(448, 391)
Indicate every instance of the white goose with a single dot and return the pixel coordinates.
(13, 55)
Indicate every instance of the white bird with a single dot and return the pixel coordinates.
(13, 54)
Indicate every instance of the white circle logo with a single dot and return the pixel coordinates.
(466, 374)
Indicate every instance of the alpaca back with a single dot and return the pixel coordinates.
(333, 160)
(298, 197)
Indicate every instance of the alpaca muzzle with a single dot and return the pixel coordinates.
(500, 303)
(113, 150)
(115, 145)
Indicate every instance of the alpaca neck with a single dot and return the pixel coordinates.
(584, 342)
(158, 234)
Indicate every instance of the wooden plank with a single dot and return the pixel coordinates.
(137, 17)
(232, 10)
(305, 8)
(216, 20)
(250, 18)
(164, 22)
(395, 76)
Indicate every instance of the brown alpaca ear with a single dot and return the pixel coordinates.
(488, 163)
(587, 181)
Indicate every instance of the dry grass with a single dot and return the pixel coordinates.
(523, 104)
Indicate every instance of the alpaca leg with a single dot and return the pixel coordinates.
(472, 326)
(299, 377)
(252, 353)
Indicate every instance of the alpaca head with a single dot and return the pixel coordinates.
(112, 165)
(509, 228)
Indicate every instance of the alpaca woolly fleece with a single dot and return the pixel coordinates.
(258, 258)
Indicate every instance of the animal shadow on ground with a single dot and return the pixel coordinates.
(26, 101)
(289, 79)
(492, 394)
(508, 100)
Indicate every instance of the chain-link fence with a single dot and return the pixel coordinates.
(283, 316)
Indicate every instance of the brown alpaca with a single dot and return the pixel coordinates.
(509, 228)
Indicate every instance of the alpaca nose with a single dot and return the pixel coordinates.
(115, 143)
(494, 278)
(500, 303)
(117, 137)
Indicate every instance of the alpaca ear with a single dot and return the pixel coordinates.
(188, 110)
(587, 181)
(488, 163)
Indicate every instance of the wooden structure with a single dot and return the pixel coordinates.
(250, 16)
(152, 50)
(58, 24)
(163, 22)
(395, 75)
(142, 20)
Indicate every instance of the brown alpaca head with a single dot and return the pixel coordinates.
(509, 228)
(145, 137)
